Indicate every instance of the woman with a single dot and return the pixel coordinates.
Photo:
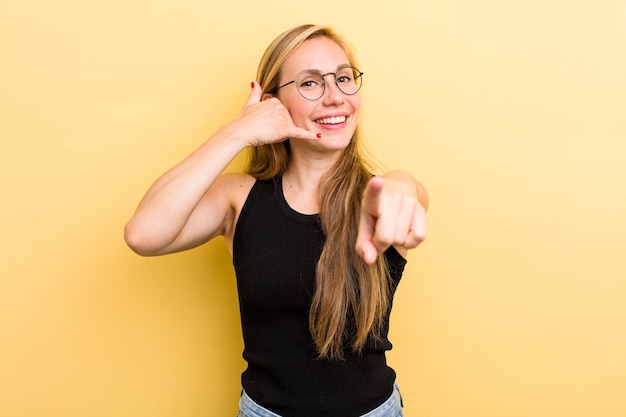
(318, 242)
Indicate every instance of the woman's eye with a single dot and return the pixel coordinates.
(344, 79)
(309, 83)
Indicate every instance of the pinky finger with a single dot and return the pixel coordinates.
(305, 134)
(417, 231)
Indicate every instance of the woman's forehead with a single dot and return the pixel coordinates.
(316, 55)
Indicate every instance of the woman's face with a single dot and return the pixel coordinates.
(335, 114)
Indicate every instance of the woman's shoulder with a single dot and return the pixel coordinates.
(236, 186)
(238, 179)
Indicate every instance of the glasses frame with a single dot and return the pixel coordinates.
(356, 71)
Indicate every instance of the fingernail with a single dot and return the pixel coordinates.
(252, 84)
(319, 135)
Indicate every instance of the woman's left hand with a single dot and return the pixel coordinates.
(393, 212)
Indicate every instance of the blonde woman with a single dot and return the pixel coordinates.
(318, 242)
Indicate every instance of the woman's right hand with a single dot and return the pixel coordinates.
(185, 207)
(267, 121)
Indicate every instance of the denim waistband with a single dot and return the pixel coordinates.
(392, 407)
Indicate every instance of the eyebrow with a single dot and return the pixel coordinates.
(316, 71)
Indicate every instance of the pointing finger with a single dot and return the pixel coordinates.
(364, 241)
(371, 196)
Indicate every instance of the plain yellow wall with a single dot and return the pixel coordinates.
(510, 112)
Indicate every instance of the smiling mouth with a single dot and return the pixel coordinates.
(331, 120)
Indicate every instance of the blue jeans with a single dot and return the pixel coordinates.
(390, 408)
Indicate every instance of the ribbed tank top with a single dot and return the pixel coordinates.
(275, 252)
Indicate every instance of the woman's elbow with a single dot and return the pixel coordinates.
(139, 241)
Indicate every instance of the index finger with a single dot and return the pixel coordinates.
(371, 196)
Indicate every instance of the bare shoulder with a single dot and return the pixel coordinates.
(236, 187)
(406, 178)
(422, 195)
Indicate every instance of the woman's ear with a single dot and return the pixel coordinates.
(266, 96)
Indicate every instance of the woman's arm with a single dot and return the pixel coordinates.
(191, 203)
(187, 205)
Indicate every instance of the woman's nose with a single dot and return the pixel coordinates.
(332, 93)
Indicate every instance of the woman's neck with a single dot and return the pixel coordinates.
(301, 182)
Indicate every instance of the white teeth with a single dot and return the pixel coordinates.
(331, 120)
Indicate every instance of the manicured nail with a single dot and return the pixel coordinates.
(252, 84)
(319, 135)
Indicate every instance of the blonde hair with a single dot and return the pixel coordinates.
(351, 298)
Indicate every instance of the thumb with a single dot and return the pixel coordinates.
(255, 94)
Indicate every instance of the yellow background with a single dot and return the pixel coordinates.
(510, 112)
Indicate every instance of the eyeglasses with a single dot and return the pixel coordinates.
(312, 85)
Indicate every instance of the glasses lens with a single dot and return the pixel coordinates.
(311, 85)
(349, 80)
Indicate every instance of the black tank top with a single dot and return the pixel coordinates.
(275, 252)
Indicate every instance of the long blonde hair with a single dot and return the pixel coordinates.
(351, 298)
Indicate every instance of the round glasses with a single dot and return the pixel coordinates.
(311, 85)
